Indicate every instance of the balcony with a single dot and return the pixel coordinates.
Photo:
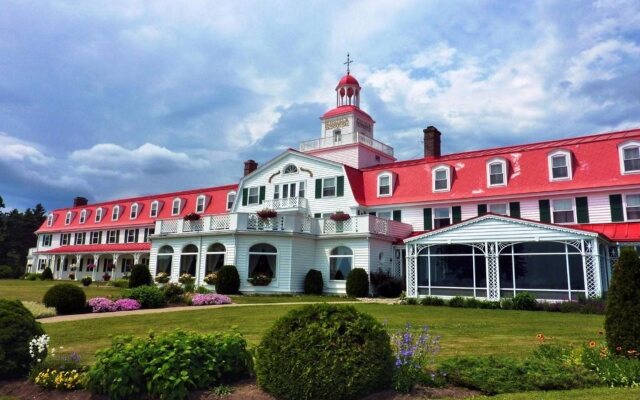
(298, 204)
(353, 138)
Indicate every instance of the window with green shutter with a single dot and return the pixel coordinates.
(340, 188)
(617, 212)
(245, 196)
(426, 215)
(482, 209)
(456, 214)
(262, 194)
(397, 215)
(545, 210)
(514, 209)
(318, 188)
(582, 210)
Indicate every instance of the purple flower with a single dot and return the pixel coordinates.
(209, 299)
(126, 305)
(101, 304)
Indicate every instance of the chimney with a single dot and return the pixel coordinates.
(249, 167)
(80, 201)
(431, 142)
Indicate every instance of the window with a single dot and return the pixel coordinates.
(98, 215)
(563, 211)
(200, 202)
(130, 235)
(560, 165)
(451, 270)
(215, 258)
(67, 218)
(96, 237)
(163, 264)
(441, 217)
(340, 263)
(175, 208)
(189, 259)
(154, 209)
(337, 136)
(384, 214)
(630, 157)
(500, 208)
(115, 214)
(134, 211)
(328, 187)
(83, 216)
(441, 179)
(231, 198)
(301, 189)
(64, 239)
(384, 185)
(496, 171)
(254, 195)
(633, 206)
(263, 260)
(46, 240)
(113, 236)
(50, 220)
(80, 237)
(148, 232)
(290, 169)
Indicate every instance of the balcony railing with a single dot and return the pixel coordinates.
(290, 203)
(356, 137)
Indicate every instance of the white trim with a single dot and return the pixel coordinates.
(98, 217)
(115, 213)
(155, 203)
(442, 167)
(50, 219)
(573, 210)
(68, 217)
(134, 206)
(433, 216)
(173, 206)
(621, 147)
(389, 175)
(257, 195)
(624, 205)
(235, 196)
(569, 164)
(83, 217)
(503, 163)
(204, 203)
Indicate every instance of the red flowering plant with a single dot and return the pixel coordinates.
(267, 213)
(340, 216)
(192, 217)
(90, 267)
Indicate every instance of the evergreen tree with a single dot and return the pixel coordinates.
(17, 234)
(622, 323)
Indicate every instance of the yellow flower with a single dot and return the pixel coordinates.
(592, 344)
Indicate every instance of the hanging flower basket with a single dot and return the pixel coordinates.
(162, 277)
(90, 267)
(211, 279)
(340, 216)
(186, 279)
(260, 280)
(192, 217)
(267, 213)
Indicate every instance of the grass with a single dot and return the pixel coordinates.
(35, 290)
(580, 394)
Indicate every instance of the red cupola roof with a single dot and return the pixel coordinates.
(348, 79)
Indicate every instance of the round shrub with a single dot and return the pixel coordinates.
(66, 298)
(228, 280)
(17, 328)
(47, 274)
(140, 276)
(457, 301)
(358, 283)
(147, 296)
(623, 304)
(173, 293)
(524, 301)
(313, 282)
(324, 351)
(86, 281)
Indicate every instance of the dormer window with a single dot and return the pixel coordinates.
(200, 202)
(441, 179)
(384, 184)
(153, 212)
(83, 216)
(134, 211)
(290, 169)
(175, 207)
(560, 165)
(50, 220)
(497, 172)
(98, 215)
(115, 214)
(231, 198)
(630, 157)
(67, 218)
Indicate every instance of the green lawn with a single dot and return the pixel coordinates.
(35, 290)
(583, 394)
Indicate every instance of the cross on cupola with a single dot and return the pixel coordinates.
(347, 63)
(348, 89)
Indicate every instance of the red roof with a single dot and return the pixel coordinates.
(215, 203)
(616, 232)
(348, 79)
(99, 248)
(341, 110)
(595, 164)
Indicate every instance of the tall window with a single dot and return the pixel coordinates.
(441, 217)
(563, 211)
(337, 136)
(65, 239)
(134, 211)
(200, 201)
(147, 233)
(451, 270)
(263, 260)
(83, 216)
(231, 198)
(50, 220)
(384, 184)
(130, 235)
(496, 171)
(113, 236)
(328, 187)
(80, 237)
(633, 206)
(254, 195)
(96, 237)
(67, 218)
(46, 240)
(98, 215)
(441, 179)
(163, 264)
(215, 258)
(175, 208)
(153, 212)
(189, 260)
(290, 169)
(340, 263)
(115, 215)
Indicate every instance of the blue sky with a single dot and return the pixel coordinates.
(112, 99)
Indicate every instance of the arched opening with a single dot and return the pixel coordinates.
(163, 263)
(215, 258)
(263, 260)
(452, 270)
(189, 260)
(340, 263)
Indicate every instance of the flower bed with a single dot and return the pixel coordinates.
(210, 299)
(102, 304)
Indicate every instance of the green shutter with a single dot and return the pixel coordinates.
(262, 194)
(397, 215)
(318, 188)
(340, 186)
(514, 209)
(617, 213)
(482, 209)
(582, 210)
(545, 211)
(317, 215)
(245, 196)
(456, 214)
(426, 215)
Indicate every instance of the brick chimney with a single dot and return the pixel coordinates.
(249, 167)
(431, 142)
(80, 201)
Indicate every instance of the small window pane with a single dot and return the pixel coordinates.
(329, 187)
(253, 195)
(498, 209)
(632, 159)
(633, 206)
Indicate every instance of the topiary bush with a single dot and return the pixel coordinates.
(228, 280)
(324, 351)
(525, 301)
(47, 274)
(622, 323)
(358, 283)
(17, 328)
(140, 276)
(147, 296)
(66, 298)
(313, 282)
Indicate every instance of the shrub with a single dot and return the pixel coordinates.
(47, 274)
(228, 280)
(313, 282)
(358, 283)
(324, 351)
(140, 276)
(506, 303)
(202, 290)
(86, 281)
(489, 305)
(173, 293)
(67, 298)
(623, 305)
(120, 283)
(6, 272)
(432, 301)
(147, 296)
(210, 299)
(457, 301)
(101, 304)
(17, 328)
(524, 301)
(126, 305)
(471, 302)
(31, 277)
(39, 310)
(613, 370)
(168, 366)
(385, 285)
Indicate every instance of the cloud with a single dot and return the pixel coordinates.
(14, 149)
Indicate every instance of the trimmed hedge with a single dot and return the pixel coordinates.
(47, 274)
(147, 296)
(17, 328)
(140, 276)
(358, 283)
(228, 280)
(66, 298)
(313, 282)
(324, 351)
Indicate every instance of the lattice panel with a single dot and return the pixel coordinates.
(270, 224)
(306, 224)
(493, 284)
(220, 222)
(593, 275)
(397, 263)
(380, 226)
(412, 283)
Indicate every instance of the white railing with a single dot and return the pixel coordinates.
(220, 222)
(193, 226)
(169, 226)
(356, 137)
(299, 203)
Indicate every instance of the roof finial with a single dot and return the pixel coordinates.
(347, 63)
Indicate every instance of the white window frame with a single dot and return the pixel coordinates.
(154, 209)
(503, 164)
(388, 175)
(573, 210)
(79, 235)
(230, 206)
(65, 239)
(133, 214)
(200, 198)
(447, 170)
(115, 213)
(173, 206)
(335, 256)
(132, 232)
(256, 195)
(67, 218)
(335, 187)
(113, 234)
(148, 232)
(567, 158)
(389, 218)
(284, 170)
(46, 240)
(433, 217)
(626, 205)
(83, 216)
(98, 217)
(50, 219)
(95, 235)
(621, 149)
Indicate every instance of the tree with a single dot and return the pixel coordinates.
(17, 234)
(623, 305)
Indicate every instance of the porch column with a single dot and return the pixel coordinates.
(54, 260)
(78, 262)
(591, 268)
(96, 261)
(115, 265)
(412, 275)
(493, 277)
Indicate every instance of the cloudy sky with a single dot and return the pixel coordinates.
(120, 98)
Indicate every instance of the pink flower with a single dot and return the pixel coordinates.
(101, 304)
(127, 305)
(208, 299)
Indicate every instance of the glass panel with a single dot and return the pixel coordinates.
(339, 267)
(632, 159)
(329, 187)
(539, 247)
(341, 251)
(441, 223)
(253, 195)
(452, 292)
(451, 249)
(384, 214)
(562, 217)
(452, 271)
(190, 248)
(214, 263)
(262, 248)
(262, 264)
(541, 271)
(188, 264)
(498, 209)
(423, 273)
(441, 212)
(216, 247)
(481, 271)
(506, 272)
(496, 168)
(575, 271)
(560, 172)
(563, 205)
(558, 161)
(164, 264)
